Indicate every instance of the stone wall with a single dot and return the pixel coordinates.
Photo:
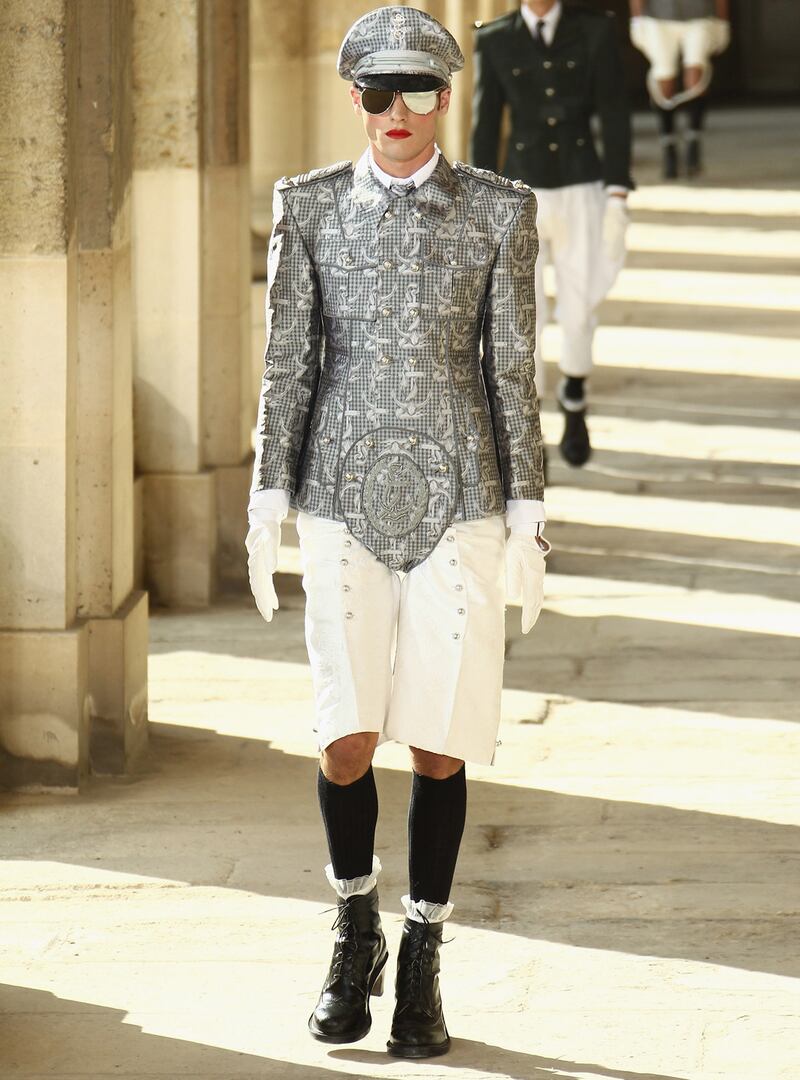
(73, 631)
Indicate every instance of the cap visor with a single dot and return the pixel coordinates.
(402, 81)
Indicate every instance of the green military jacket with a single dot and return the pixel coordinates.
(552, 92)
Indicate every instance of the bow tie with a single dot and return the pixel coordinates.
(401, 189)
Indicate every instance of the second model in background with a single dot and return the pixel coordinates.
(556, 65)
(679, 37)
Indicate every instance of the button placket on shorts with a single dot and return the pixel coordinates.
(456, 577)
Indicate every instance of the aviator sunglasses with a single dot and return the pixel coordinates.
(376, 102)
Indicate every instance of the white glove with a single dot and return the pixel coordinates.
(720, 35)
(525, 566)
(615, 226)
(262, 543)
(638, 32)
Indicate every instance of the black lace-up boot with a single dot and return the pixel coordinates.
(359, 955)
(418, 1027)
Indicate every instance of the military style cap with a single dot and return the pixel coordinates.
(396, 40)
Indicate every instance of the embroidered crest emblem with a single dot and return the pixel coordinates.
(395, 495)
(397, 491)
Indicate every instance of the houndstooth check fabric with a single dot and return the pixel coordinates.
(413, 314)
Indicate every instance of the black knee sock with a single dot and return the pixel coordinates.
(349, 813)
(697, 113)
(666, 122)
(436, 816)
(573, 387)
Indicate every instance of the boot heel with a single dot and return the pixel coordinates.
(377, 986)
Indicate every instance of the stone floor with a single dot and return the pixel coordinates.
(627, 902)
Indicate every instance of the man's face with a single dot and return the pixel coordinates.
(399, 134)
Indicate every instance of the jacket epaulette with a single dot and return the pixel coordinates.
(500, 21)
(493, 179)
(313, 175)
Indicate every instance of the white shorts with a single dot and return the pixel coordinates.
(668, 42)
(416, 657)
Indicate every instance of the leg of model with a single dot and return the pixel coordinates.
(349, 803)
(351, 605)
(667, 138)
(437, 812)
(576, 244)
(696, 111)
(446, 705)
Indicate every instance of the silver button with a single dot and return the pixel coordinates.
(450, 539)
(368, 442)
(385, 360)
(454, 562)
(343, 562)
(386, 311)
(412, 360)
(459, 588)
(388, 265)
(515, 71)
(520, 146)
(416, 267)
(348, 614)
(547, 65)
(570, 63)
(581, 142)
(462, 611)
(413, 312)
(550, 91)
(443, 468)
(349, 476)
(412, 439)
(551, 120)
(453, 261)
(456, 636)
(553, 146)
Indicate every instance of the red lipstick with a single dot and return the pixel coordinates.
(398, 133)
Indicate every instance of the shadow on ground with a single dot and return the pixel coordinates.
(97, 1041)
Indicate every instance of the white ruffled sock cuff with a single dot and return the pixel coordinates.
(422, 910)
(359, 886)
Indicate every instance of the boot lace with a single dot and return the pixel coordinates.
(346, 949)
(414, 970)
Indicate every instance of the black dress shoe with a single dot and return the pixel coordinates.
(359, 956)
(418, 1027)
(575, 446)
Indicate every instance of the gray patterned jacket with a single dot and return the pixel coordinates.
(401, 322)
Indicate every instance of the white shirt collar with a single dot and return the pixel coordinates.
(550, 20)
(418, 178)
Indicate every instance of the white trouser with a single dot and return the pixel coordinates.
(417, 657)
(570, 226)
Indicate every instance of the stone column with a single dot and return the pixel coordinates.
(278, 100)
(190, 282)
(73, 640)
